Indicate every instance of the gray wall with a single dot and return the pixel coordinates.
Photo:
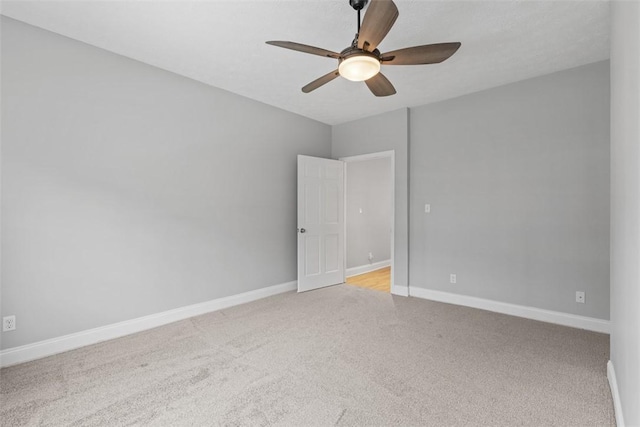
(384, 132)
(369, 209)
(128, 190)
(625, 205)
(518, 182)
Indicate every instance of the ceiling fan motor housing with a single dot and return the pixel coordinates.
(355, 51)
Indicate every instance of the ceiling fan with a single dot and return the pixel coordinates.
(361, 61)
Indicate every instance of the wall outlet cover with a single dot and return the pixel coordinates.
(8, 323)
(580, 297)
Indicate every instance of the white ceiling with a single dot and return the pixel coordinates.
(221, 43)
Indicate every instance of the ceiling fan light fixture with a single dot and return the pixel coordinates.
(358, 68)
(361, 61)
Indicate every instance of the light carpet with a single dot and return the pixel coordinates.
(338, 356)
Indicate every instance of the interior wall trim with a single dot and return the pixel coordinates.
(549, 316)
(615, 394)
(49, 347)
(402, 291)
(367, 268)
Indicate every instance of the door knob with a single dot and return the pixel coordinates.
(302, 230)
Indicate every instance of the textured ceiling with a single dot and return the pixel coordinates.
(221, 43)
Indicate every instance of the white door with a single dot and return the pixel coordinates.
(320, 222)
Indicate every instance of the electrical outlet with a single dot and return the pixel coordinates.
(427, 208)
(580, 297)
(8, 323)
(370, 256)
(452, 278)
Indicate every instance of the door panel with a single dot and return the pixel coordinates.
(331, 261)
(320, 222)
(312, 259)
(332, 205)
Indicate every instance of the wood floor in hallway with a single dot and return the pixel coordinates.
(379, 280)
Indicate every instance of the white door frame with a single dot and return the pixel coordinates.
(391, 154)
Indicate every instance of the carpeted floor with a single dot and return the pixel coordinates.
(336, 356)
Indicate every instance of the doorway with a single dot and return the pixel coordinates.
(369, 220)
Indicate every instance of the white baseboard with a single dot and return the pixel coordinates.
(354, 271)
(613, 385)
(566, 319)
(25, 353)
(402, 291)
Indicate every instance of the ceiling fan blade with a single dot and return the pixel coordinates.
(304, 48)
(380, 85)
(377, 22)
(426, 54)
(321, 81)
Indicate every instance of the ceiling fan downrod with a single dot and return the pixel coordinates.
(358, 5)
